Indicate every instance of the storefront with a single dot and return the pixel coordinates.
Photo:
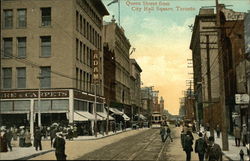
(56, 105)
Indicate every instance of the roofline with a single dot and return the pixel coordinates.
(100, 6)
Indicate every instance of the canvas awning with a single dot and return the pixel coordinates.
(142, 117)
(126, 118)
(88, 116)
(104, 115)
(116, 111)
(79, 117)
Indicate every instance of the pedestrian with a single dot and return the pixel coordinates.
(169, 134)
(200, 147)
(182, 138)
(59, 145)
(3, 140)
(244, 134)
(188, 142)
(21, 137)
(53, 132)
(163, 133)
(237, 135)
(9, 136)
(27, 138)
(218, 131)
(15, 133)
(38, 139)
(214, 152)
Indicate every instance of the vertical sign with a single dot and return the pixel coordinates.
(96, 70)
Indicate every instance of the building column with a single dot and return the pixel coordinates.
(71, 106)
(32, 118)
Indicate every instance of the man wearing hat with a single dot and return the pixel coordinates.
(59, 145)
(38, 139)
(244, 134)
(3, 140)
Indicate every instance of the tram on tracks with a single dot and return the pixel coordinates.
(156, 120)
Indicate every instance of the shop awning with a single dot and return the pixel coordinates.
(87, 115)
(142, 117)
(126, 118)
(116, 111)
(104, 115)
(79, 117)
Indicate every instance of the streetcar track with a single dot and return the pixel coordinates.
(133, 156)
(123, 151)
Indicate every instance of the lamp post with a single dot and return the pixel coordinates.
(39, 99)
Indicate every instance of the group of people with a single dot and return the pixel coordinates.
(165, 132)
(204, 147)
(240, 134)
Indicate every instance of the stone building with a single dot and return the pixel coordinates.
(135, 88)
(49, 45)
(147, 102)
(205, 60)
(114, 36)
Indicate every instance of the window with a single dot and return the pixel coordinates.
(77, 71)
(84, 80)
(80, 79)
(21, 18)
(77, 43)
(84, 26)
(21, 77)
(84, 53)
(46, 16)
(80, 23)
(8, 18)
(45, 46)
(21, 47)
(7, 47)
(7, 77)
(45, 80)
(81, 51)
(77, 20)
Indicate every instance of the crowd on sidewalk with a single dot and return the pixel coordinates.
(208, 147)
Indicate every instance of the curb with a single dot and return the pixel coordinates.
(34, 155)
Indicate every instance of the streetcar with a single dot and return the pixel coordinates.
(156, 120)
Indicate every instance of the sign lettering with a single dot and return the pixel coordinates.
(96, 72)
(33, 94)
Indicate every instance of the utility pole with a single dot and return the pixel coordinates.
(224, 133)
(209, 87)
(95, 124)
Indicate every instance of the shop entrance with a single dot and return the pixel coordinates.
(47, 119)
(11, 120)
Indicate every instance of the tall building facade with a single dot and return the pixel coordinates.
(206, 66)
(114, 36)
(135, 87)
(47, 51)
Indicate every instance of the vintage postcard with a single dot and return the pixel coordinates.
(149, 80)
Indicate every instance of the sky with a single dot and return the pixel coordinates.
(159, 31)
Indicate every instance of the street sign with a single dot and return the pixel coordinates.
(96, 64)
(241, 98)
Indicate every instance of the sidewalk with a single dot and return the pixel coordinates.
(234, 151)
(23, 153)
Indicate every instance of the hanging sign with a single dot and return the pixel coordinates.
(96, 69)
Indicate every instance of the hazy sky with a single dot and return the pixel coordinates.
(162, 37)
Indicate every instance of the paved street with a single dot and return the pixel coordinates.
(143, 146)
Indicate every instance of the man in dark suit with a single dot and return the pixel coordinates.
(38, 139)
(59, 145)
